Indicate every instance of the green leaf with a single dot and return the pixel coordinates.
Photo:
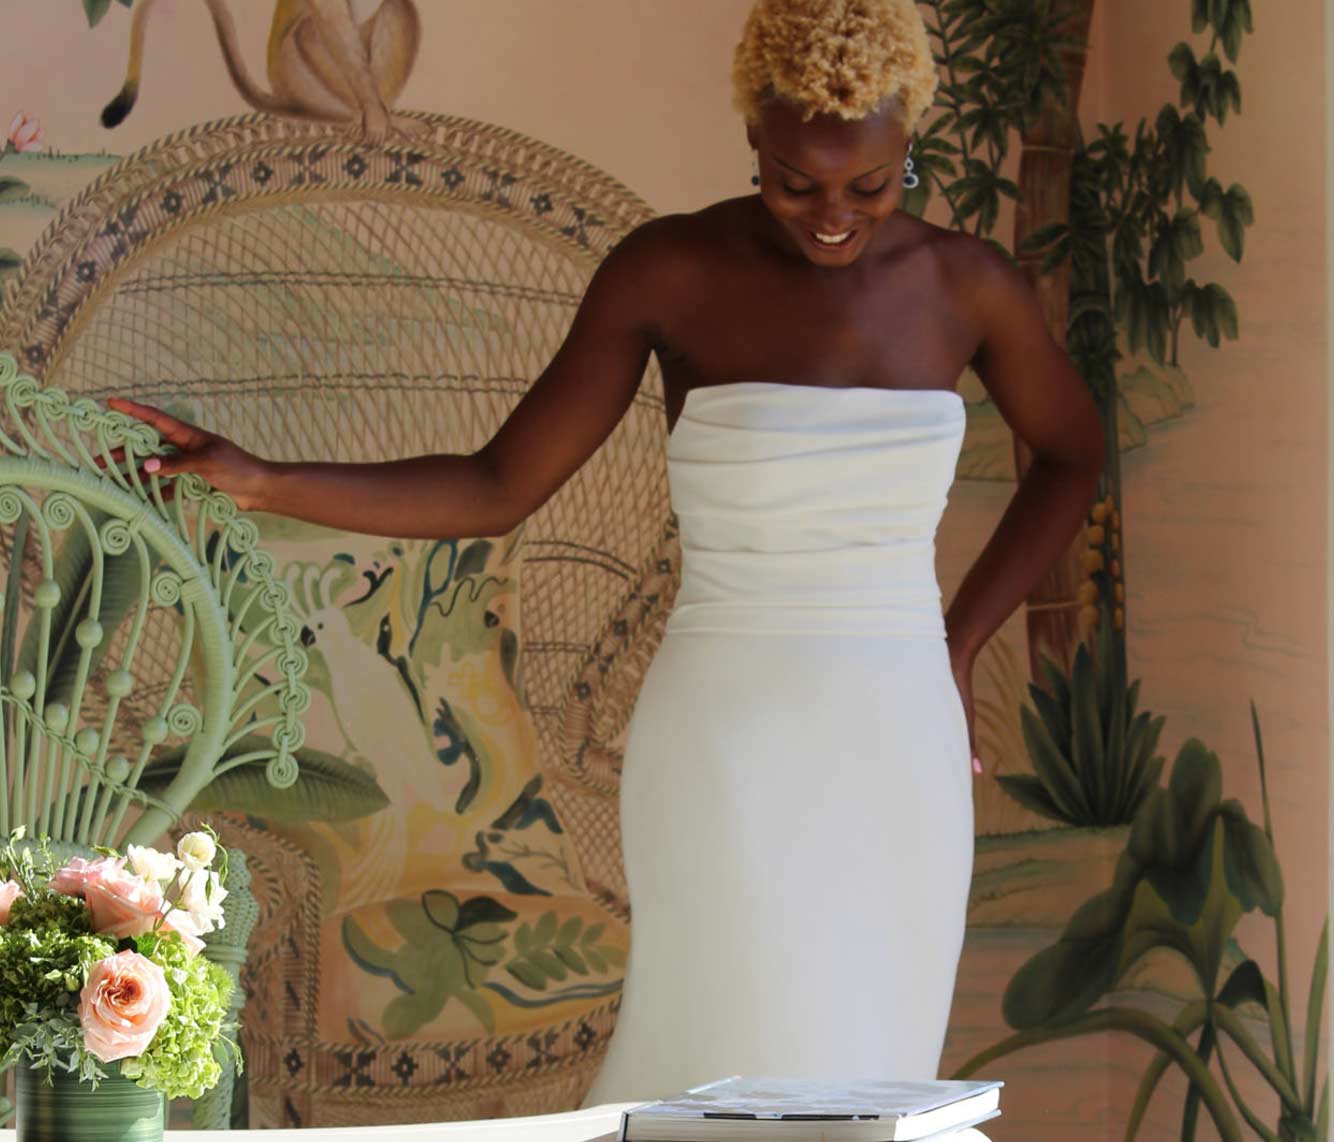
(549, 965)
(527, 974)
(95, 10)
(327, 789)
(1199, 15)
(569, 931)
(12, 188)
(1182, 61)
(1068, 977)
(1054, 716)
(1196, 788)
(546, 929)
(1251, 867)
(1315, 1005)
(1235, 213)
(483, 910)
(593, 934)
(1086, 738)
(10, 261)
(1032, 795)
(1052, 768)
(1246, 984)
(1044, 236)
(523, 938)
(572, 960)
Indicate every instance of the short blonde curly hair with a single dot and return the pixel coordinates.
(840, 57)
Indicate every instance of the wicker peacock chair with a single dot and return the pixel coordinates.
(314, 295)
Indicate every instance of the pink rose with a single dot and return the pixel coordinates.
(122, 1005)
(121, 903)
(25, 133)
(9, 892)
(185, 925)
(70, 879)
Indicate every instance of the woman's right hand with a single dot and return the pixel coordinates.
(227, 467)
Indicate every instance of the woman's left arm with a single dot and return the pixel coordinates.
(1046, 403)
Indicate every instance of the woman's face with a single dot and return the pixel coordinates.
(829, 182)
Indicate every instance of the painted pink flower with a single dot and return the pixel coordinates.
(25, 133)
(9, 892)
(122, 1005)
(121, 903)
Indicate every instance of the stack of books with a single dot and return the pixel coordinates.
(795, 1110)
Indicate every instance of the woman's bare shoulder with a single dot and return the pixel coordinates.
(675, 249)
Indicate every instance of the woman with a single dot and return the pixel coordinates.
(796, 799)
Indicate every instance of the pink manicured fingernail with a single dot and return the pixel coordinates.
(152, 464)
(977, 766)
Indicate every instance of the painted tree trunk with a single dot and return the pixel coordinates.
(1044, 182)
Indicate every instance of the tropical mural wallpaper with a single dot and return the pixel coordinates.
(444, 924)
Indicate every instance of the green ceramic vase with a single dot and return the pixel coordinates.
(71, 1111)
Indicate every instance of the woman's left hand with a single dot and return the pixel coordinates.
(961, 665)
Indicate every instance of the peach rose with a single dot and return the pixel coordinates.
(121, 903)
(9, 892)
(122, 1005)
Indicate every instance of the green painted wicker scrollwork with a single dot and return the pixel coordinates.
(98, 553)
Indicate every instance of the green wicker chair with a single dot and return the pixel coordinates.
(146, 651)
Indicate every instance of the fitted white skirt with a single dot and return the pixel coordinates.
(798, 836)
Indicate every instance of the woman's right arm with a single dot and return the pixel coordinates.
(560, 422)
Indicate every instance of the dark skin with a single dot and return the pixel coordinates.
(742, 291)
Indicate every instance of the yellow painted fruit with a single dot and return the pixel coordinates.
(1116, 568)
(1120, 592)
(1093, 561)
(1099, 513)
(1119, 618)
(1096, 535)
(1087, 593)
(1088, 617)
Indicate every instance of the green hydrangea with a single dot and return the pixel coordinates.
(181, 1061)
(46, 952)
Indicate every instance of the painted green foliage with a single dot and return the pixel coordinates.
(1193, 865)
(1094, 755)
(450, 949)
(997, 61)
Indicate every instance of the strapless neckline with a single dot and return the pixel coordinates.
(731, 386)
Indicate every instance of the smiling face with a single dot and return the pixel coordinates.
(829, 182)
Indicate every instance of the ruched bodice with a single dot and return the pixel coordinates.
(805, 508)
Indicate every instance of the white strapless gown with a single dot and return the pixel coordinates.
(796, 799)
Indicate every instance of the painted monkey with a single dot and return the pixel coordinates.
(323, 62)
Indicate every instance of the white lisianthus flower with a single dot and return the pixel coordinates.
(201, 896)
(152, 864)
(196, 850)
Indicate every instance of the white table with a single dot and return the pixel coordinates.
(596, 1124)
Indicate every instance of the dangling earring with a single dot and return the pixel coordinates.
(910, 179)
(754, 168)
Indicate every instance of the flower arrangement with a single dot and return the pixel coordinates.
(100, 963)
